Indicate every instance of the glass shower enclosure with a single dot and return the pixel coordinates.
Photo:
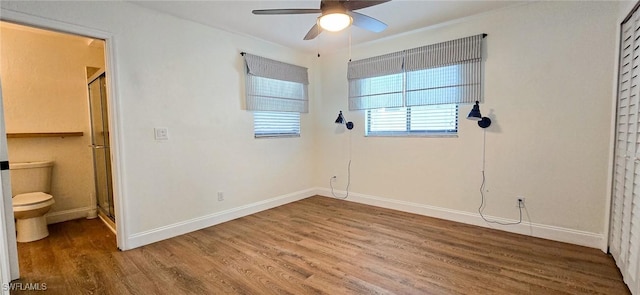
(100, 146)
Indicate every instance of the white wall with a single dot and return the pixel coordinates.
(625, 9)
(189, 78)
(548, 90)
(45, 90)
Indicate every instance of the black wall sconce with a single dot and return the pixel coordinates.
(342, 120)
(475, 115)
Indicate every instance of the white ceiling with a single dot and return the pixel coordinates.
(288, 30)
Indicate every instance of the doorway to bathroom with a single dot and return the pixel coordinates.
(100, 146)
(97, 194)
(63, 118)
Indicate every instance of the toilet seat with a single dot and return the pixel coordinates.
(30, 199)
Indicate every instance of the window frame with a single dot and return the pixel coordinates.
(408, 132)
(419, 86)
(273, 89)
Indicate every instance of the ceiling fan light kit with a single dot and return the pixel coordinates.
(334, 22)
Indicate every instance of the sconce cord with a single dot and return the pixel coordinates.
(482, 203)
(348, 183)
(348, 175)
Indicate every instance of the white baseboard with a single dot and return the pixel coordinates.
(66, 215)
(180, 228)
(572, 236)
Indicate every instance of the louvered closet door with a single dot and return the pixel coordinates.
(625, 212)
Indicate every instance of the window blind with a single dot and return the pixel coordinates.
(444, 73)
(276, 124)
(275, 86)
(413, 121)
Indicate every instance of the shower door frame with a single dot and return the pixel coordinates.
(95, 77)
(115, 121)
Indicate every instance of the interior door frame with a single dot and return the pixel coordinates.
(115, 126)
(9, 268)
(608, 222)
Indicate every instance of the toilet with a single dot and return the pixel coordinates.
(30, 185)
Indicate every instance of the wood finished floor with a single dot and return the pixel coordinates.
(317, 246)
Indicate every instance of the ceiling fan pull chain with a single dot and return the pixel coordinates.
(318, 39)
(349, 44)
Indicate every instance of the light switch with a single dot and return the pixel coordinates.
(161, 133)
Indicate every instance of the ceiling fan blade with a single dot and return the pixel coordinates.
(367, 22)
(285, 11)
(314, 32)
(355, 4)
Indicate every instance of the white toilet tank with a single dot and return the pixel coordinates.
(28, 177)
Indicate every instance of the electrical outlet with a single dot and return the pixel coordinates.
(161, 133)
(519, 202)
(220, 196)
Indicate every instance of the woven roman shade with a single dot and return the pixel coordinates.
(275, 86)
(443, 73)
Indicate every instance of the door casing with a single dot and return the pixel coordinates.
(6, 244)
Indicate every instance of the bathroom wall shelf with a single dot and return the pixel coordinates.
(44, 134)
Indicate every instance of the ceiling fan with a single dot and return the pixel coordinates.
(335, 15)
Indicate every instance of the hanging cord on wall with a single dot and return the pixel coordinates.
(482, 203)
(318, 39)
(348, 183)
(348, 175)
(349, 43)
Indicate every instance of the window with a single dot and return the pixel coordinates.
(413, 121)
(276, 124)
(277, 93)
(416, 92)
(420, 120)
